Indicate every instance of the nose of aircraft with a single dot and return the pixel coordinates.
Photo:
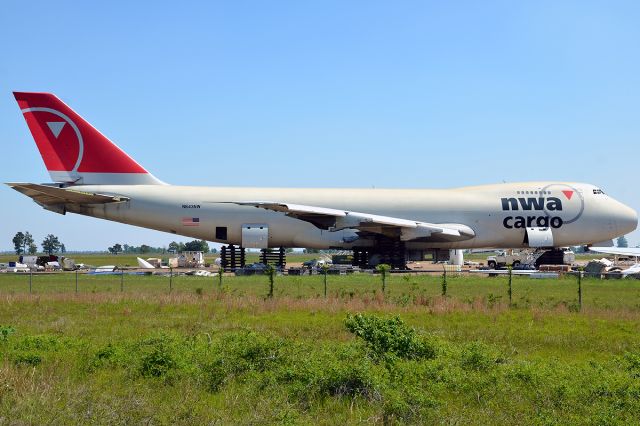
(626, 219)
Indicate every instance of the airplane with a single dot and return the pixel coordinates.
(618, 251)
(634, 269)
(92, 176)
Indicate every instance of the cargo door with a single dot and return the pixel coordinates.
(255, 235)
(540, 237)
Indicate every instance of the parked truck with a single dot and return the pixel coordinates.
(517, 259)
(504, 258)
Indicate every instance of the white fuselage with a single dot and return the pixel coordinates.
(498, 214)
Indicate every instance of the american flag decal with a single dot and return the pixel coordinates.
(190, 221)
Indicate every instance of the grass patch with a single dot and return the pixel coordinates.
(235, 356)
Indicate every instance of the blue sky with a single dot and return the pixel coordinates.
(331, 93)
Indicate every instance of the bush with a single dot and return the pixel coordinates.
(390, 336)
(478, 356)
(158, 356)
(106, 355)
(632, 361)
(28, 358)
(5, 332)
(240, 353)
(45, 343)
(349, 380)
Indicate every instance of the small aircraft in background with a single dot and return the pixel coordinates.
(622, 251)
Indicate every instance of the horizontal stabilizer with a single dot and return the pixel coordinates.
(50, 195)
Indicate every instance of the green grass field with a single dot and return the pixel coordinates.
(401, 289)
(205, 354)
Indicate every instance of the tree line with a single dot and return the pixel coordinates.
(174, 247)
(24, 243)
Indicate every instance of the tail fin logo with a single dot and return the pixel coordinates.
(74, 151)
(56, 127)
(68, 159)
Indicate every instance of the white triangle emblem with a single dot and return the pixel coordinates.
(56, 127)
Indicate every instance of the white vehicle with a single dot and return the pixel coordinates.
(94, 177)
(512, 258)
(504, 258)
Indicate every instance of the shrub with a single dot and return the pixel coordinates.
(159, 357)
(390, 336)
(107, 355)
(41, 343)
(632, 361)
(349, 380)
(240, 353)
(5, 332)
(478, 356)
(409, 405)
(28, 358)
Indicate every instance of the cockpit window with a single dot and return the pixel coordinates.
(598, 191)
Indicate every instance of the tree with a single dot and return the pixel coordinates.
(174, 247)
(63, 249)
(33, 248)
(50, 244)
(622, 242)
(115, 249)
(384, 269)
(145, 248)
(18, 242)
(197, 245)
(26, 243)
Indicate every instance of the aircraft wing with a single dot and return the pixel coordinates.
(337, 219)
(622, 251)
(51, 196)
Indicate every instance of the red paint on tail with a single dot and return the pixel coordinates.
(72, 149)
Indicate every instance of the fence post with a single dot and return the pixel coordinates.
(510, 288)
(444, 281)
(170, 279)
(121, 280)
(325, 269)
(271, 271)
(30, 279)
(76, 281)
(580, 289)
(220, 274)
